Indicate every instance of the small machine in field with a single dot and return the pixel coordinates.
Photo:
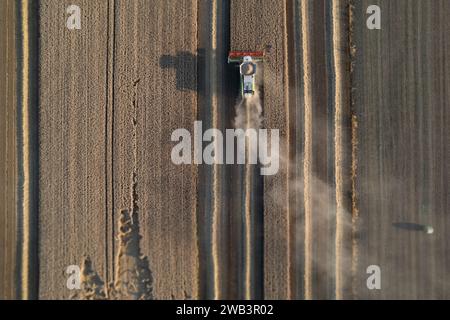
(247, 67)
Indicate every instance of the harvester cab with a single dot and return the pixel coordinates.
(247, 68)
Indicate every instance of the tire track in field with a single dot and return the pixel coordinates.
(28, 152)
(354, 157)
(339, 102)
(216, 196)
(252, 226)
(307, 158)
(109, 146)
(288, 43)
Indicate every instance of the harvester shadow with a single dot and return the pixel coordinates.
(409, 226)
(190, 73)
(185, 65)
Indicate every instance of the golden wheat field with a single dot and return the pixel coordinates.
(137, 163)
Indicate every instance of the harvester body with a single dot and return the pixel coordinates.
(247, 68)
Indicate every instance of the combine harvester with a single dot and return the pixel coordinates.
(247, 67)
